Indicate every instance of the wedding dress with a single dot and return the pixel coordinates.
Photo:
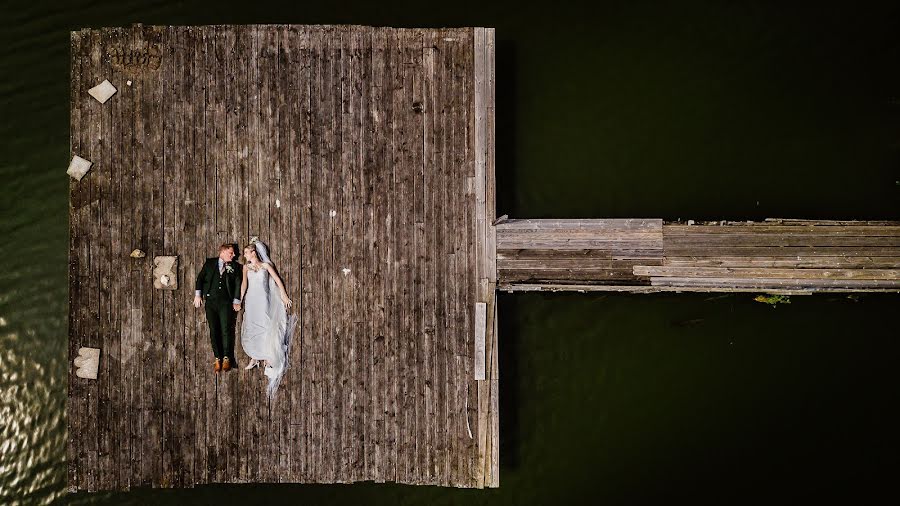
(266, 329)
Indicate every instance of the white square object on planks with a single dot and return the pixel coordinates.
(165, 272)
(103, 91)
(78, 167)
(87, 362)
(480, 329)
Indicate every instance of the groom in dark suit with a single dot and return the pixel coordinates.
(219, 284)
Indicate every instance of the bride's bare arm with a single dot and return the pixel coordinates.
(243, 282)
(278, 282)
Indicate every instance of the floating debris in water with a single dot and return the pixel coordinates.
(773, 300)
(345, 271)
(138, 254)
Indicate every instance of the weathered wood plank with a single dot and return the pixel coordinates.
(377, 406)
(169, 411)
(612, 224)
(332, 110)
(494, 480)
(76, 133)
(781, 273)
(302, 356)
(314, 259)
(791, 230)
(186, 213)
(763, 283)
(441, 226)
(342, 254)
(463, 103)
(780, 251)
(797, 262)
(489, 169)
(582, 288)
(429, 296)
(416, 109)
(455, 406)
(365, 283)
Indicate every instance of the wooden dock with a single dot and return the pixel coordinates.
(364, 157)
(646, 255)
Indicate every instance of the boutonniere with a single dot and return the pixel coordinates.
(229, 268)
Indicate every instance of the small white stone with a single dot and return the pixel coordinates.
(128, 82)
(2, 321)
(78, 167)
(103, 91)
(333, 213)
(277, 203)
(345, 271)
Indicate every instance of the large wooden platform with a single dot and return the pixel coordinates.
(364, 158)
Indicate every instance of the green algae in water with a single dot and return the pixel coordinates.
(773, 300)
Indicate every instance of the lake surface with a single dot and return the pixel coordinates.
(692, 110)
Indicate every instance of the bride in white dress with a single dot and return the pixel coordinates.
(266, 329)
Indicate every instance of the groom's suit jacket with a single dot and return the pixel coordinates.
(226, 286)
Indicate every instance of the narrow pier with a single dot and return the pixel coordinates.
(777, 256)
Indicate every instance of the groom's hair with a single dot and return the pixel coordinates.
(224, 246)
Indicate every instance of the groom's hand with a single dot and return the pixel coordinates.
(237, 307)
(197, 301)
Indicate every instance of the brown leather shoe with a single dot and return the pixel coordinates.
(226, 364)
(217, 366)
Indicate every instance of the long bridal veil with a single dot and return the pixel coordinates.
(280, 329)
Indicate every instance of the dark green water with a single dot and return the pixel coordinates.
(628, 109)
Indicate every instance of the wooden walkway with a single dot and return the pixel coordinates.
(646, 255)
(364, 157)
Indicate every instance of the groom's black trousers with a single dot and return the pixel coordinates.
(221, 316)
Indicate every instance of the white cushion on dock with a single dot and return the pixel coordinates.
(78, 167)
(103, 91)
